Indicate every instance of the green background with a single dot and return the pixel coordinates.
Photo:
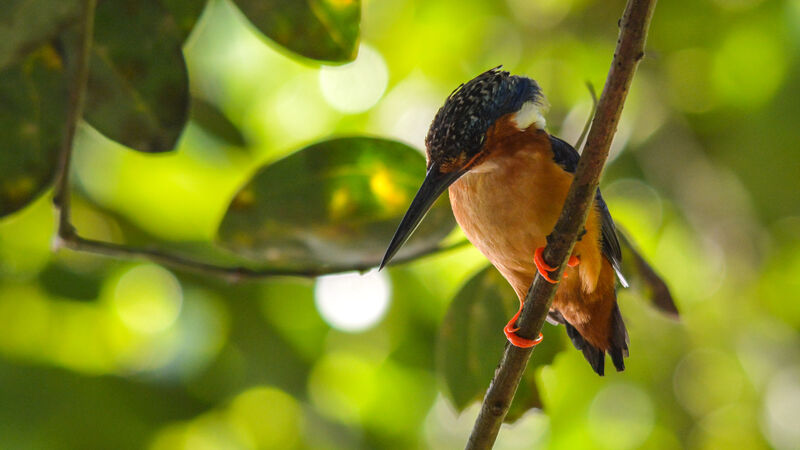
(704, 174)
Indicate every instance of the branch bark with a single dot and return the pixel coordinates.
(629, 51)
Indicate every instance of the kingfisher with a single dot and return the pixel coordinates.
(508, 179)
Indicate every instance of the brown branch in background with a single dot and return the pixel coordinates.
(630, 50)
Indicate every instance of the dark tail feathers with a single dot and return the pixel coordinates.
(597, 357)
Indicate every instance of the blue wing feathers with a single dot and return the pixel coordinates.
(567, 157)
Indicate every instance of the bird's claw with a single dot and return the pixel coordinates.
(521, 342)
(511, 333)
(544, 268)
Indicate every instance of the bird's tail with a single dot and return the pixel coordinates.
(617, 346)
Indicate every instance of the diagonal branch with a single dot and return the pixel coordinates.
(630, 50)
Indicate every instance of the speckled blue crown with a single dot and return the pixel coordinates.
(460, 125)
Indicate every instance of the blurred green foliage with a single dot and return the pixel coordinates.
(332, 204)
(33, 95)
(469, 346)
(105, 353)
(138, 92)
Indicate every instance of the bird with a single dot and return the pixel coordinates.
(508, 179)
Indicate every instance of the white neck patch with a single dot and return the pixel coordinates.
(530, 114)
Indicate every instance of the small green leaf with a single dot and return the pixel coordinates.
(333, 204)
(27, 24)
(215, 123)
(325, 30)
(138, 91)
(471, 342)
(34, 94)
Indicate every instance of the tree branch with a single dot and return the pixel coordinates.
(630, 50)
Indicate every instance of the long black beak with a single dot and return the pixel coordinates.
(432, 187)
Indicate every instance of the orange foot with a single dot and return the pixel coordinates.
(573, 261)
(511, 333)
(544, 268)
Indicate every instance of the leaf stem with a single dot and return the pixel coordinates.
(630, 50)
(61, 195)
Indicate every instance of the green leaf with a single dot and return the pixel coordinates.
(214, 122)
(333, 204)
(471, 342)
(325, 30)
(34, 94)
(138, 91)
(27, 24)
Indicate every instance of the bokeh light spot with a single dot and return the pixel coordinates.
(357, 86)
(782, 409)
(294, 113)
(691, 381)
(261, 417)
(342, 386)
(268, 416)
(352, 302)
(689, 84)
(621, 417)
(148, 298)
(407, 110)
(749, 68)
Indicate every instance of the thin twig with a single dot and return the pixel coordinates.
(77, 92)
(230, 273)
(588, 123)
(630, 50)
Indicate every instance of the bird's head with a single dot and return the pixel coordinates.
(457, 140)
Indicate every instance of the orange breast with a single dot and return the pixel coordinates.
(509, 203)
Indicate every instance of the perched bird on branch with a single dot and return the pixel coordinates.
(508, 180)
